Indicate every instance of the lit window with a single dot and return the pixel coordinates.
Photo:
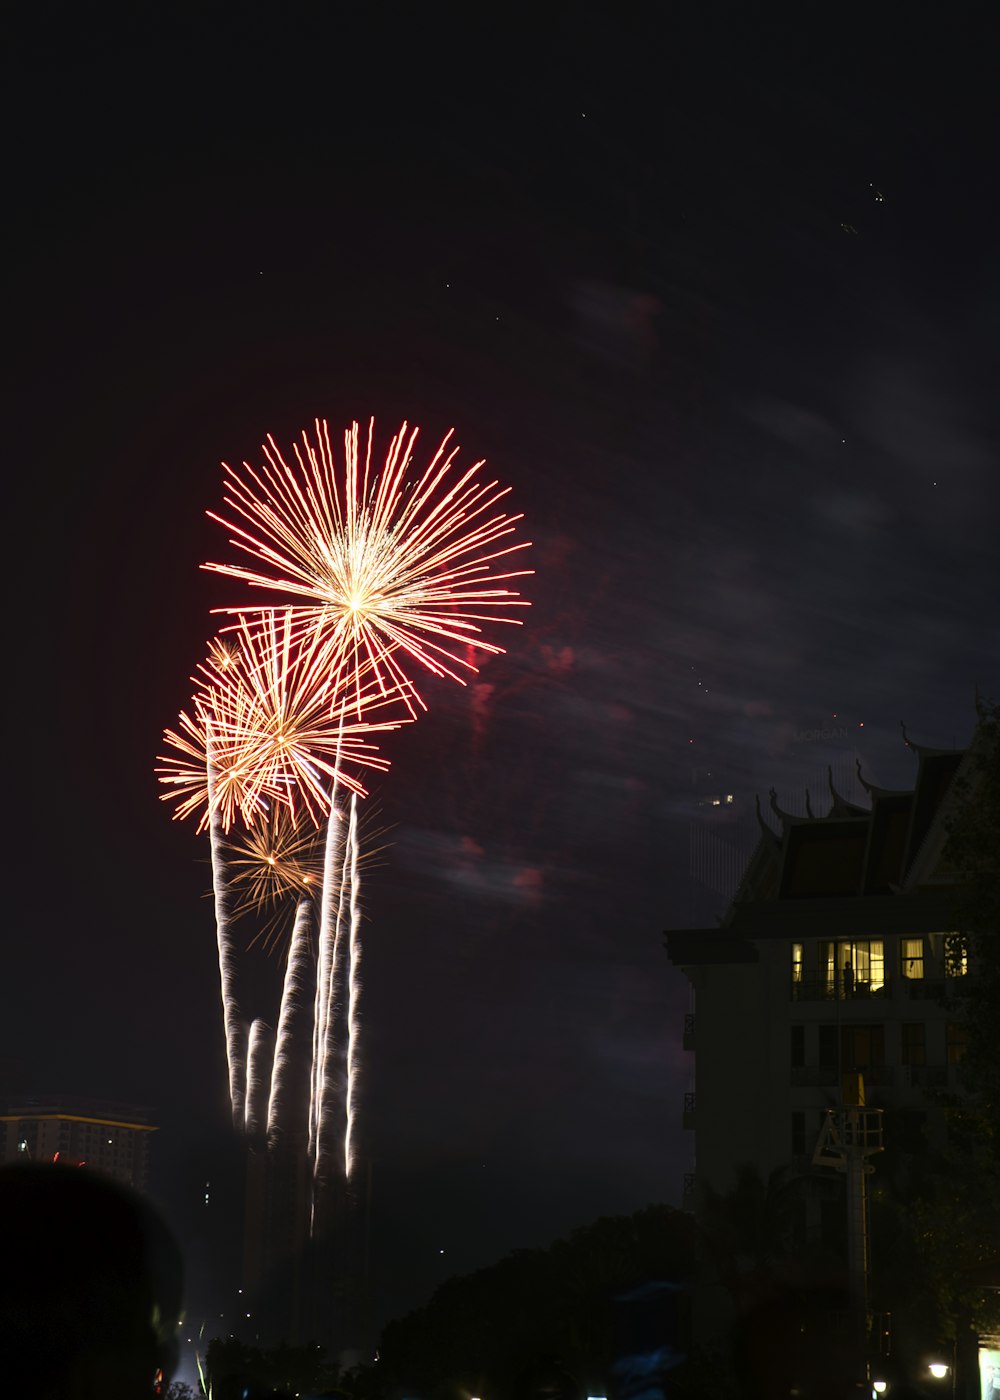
(911, 957)
(796, 962)
(853, 969)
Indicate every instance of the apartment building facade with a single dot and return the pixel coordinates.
(833, 957)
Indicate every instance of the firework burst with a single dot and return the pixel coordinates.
(385, 568)
(275, 717)
(272, 864)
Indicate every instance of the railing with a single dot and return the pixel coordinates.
(878, 1075)
(687, 1119)
(928, 1076)
(820, 989)
(813, 1076)
(828, 1076)
(688, 1040)
(915, 988)
(924, 989)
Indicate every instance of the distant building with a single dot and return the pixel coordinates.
(111, 1138)
(829, 959)
(825, 1025)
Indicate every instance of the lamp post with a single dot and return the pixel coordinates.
(849, 1136)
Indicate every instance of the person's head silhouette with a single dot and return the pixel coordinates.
(90, 1289)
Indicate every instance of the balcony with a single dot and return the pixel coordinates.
(878, 1076)
(687, 1119)
(813, 1077)
(929, 1076)
(924, 989)
(820, 989)
(688, 1040)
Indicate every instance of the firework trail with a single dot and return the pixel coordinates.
(354, 993)
(330, 1072)
(292, 1022)
(236, 1047)
(259, 1060)
(383, 566)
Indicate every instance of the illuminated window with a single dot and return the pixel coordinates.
(911, 957)
(796, 962)
(855, 969)
(913, 1043)
(956, 1043)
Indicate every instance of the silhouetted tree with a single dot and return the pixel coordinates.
(233, 1367)
(973, 851)
(561, 1308)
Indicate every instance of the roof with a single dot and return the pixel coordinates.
(74, 1118)
(857, 872)
(852, 850)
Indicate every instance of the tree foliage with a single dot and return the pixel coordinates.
(233, 1368)
(973, 851)
(559, 1308)
(935, 1227)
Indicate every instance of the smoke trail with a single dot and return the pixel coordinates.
(291, 1024)
(236, 1045)
(327, 925)
(354, 993)
(330, 1075)
(258, 1077)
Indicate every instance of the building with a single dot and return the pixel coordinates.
(831, 958)
(824, 1009)
(111, 1138)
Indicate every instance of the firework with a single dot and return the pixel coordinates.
(329, 1080)
(293, 1023)
(259, 1060)
(236, 1047)
(383, 567)
(354, 992)
(370, 575)
(269, 708)
(272, 865)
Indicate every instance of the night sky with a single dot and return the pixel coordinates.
(718, 295)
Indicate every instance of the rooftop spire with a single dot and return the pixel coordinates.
(768, 831)
(841, 807)
(924, 750)
(873, 790)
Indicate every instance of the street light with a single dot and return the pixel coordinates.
(938, 1370)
